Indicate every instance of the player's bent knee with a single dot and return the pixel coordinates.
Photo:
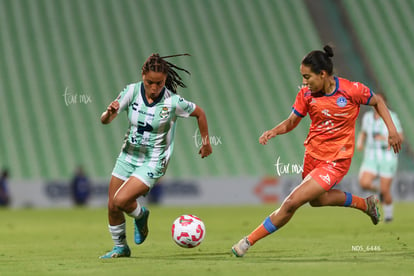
(118, 203)
(385, 192)
(315, 203)
(290, 205)
(365, 184)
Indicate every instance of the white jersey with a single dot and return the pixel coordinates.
(150, 136)
(378, 148)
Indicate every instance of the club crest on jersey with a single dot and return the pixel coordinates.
(341, 101)
(164, 112)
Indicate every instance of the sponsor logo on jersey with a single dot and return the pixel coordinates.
(145, 113)
(144, 126)
(341, 114)
(326, 178)
(341, 101)
(326, 112)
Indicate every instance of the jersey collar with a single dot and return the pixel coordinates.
(336, 87)
(157, 100)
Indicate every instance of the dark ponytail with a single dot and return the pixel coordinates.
(328, 51)
(320, 61)
(156, 63)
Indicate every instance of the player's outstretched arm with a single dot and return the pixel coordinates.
(205, 149)
(284, 127)
(110, 113)
(394, 138)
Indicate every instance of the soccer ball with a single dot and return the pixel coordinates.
(188, 231)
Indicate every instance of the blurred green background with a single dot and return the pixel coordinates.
(64, 61)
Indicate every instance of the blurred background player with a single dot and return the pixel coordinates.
(333, 105)
(4, 191)
(80, 187)
(153, 108)
(379, 160)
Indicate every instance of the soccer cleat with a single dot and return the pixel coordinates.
(372, 209)
(117, 252)
(240, 248)
(141, 226)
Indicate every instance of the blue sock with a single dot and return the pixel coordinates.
(348, 200)
(269, 225)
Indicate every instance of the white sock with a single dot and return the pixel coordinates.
(388, 211)
(137, 212)
(118, 234)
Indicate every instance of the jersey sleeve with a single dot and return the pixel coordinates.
(361, 94)
(184, 108)
(300, 107)
(125, 97)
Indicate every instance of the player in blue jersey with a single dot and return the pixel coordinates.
(153, 107)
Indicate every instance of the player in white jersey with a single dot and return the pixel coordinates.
(152, 107)
(379, 160)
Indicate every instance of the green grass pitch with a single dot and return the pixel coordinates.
(317, 241)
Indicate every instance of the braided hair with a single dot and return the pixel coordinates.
(156, 63)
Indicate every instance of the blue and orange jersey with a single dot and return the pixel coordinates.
(333, 116)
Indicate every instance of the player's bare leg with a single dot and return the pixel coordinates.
(308, 190)
(366, 180)
(386, 200)
(117, 226)
(122, 197)
(336, 197)
(125, 199)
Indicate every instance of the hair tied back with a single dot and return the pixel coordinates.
(328, 51)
